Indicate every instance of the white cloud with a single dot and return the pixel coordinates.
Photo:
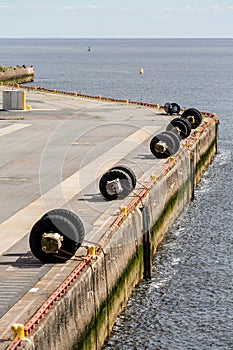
(195, 9)
(78, 7)
(91, 6)
(170, 9)
(69, 8)
(215, 8)
(188, 8)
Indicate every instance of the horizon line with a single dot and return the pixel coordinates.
(103, 37)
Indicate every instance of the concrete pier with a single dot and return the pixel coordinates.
(18, 74)
(53, 156)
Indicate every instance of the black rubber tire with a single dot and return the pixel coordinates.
(173, 108)
(182, 124)
(166, 107)
(172, 141)
(125, 181)
(192, 112)
(175, 140)
(61, 225)
(128, 171)
(72, 217)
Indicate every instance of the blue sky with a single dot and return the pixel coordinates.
(121, 18)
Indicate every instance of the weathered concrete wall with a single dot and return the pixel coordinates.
(17, 74)
(84, 317)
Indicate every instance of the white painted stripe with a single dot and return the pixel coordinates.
(12, 128)
(18, 225)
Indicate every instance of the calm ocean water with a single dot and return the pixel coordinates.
(188, 303)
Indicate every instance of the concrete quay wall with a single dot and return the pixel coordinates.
(17, 74)
(84, 316)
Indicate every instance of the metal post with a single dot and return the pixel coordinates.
(192, 175)
(146, 242)
(217, 130)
